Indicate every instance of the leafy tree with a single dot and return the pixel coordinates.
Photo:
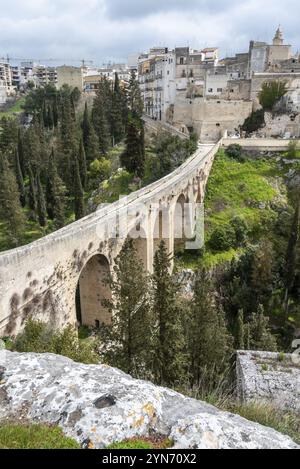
(271, 93)
(10, 207)
(170, 361)
(130, 331)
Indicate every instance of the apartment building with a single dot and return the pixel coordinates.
(6, 78)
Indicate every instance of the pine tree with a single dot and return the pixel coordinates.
(20, 180)
(78, 192)
(41, 203)
(82, 164)
(10, 207)
(130, 309)
(261, 337)
(170, 361)
(55, 194)
(133, 158)
(210, 344)
(240, 339)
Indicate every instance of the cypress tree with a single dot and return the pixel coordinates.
(20, 180)
(291, 256)
(41, 203)
(135, 102)
(130, 310)
(117, 127)
(10, 207)
(100, 122)
(21, 153)
(261, 337)
(82, 164)
(78, 192)
(240, 339)
(92, 152)
(55, 194)
(210, 344)
(32, 194)
(170, 361)
(86, 127)
(133, 158)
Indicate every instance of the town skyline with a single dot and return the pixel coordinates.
(67, 32)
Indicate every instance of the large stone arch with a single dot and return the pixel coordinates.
(92, 290)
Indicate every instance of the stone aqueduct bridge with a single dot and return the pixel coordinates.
(47, 278)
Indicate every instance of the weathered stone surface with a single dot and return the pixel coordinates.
(54, 389)
(268, 376)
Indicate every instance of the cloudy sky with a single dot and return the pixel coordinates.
(105, 30)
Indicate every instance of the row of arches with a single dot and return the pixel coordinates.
(172, 225)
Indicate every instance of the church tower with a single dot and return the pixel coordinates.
(278, 39)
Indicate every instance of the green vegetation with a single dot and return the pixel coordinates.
(143, 443)
(16, 108)
(39, 337)
(271, 93)
(254, 122)
(14, 436)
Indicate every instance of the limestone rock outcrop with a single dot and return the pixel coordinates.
(269, 377)
(98, 405)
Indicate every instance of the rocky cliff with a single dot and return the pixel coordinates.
(98, 405)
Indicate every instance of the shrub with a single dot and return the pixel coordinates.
(254, 122)
(223, 238)
(39, 337)
(292, 151)
(235, 151)
(34, 437)
(241, 230)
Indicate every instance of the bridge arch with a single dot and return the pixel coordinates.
(184, 220)
(92, 290)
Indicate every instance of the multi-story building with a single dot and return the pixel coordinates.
(6, 77)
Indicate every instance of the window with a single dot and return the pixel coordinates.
(219, 90)
(210, 90)
(181, 62)
(217, 124)
(97, 324)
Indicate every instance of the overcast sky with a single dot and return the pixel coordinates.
(105, 30)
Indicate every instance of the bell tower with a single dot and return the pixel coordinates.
(278, 38)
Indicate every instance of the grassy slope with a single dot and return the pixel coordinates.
(15, 109)
(34, 437)
(238, 189)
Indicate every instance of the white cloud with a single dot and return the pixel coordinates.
(111, 29)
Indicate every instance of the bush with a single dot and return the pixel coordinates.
(241, 230)
(39, 337)
(223, 238)
(292, 151)
(34, 437)
(254, 122)
(235, 151)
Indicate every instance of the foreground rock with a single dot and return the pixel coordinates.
(98, 405)
(269, 377)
